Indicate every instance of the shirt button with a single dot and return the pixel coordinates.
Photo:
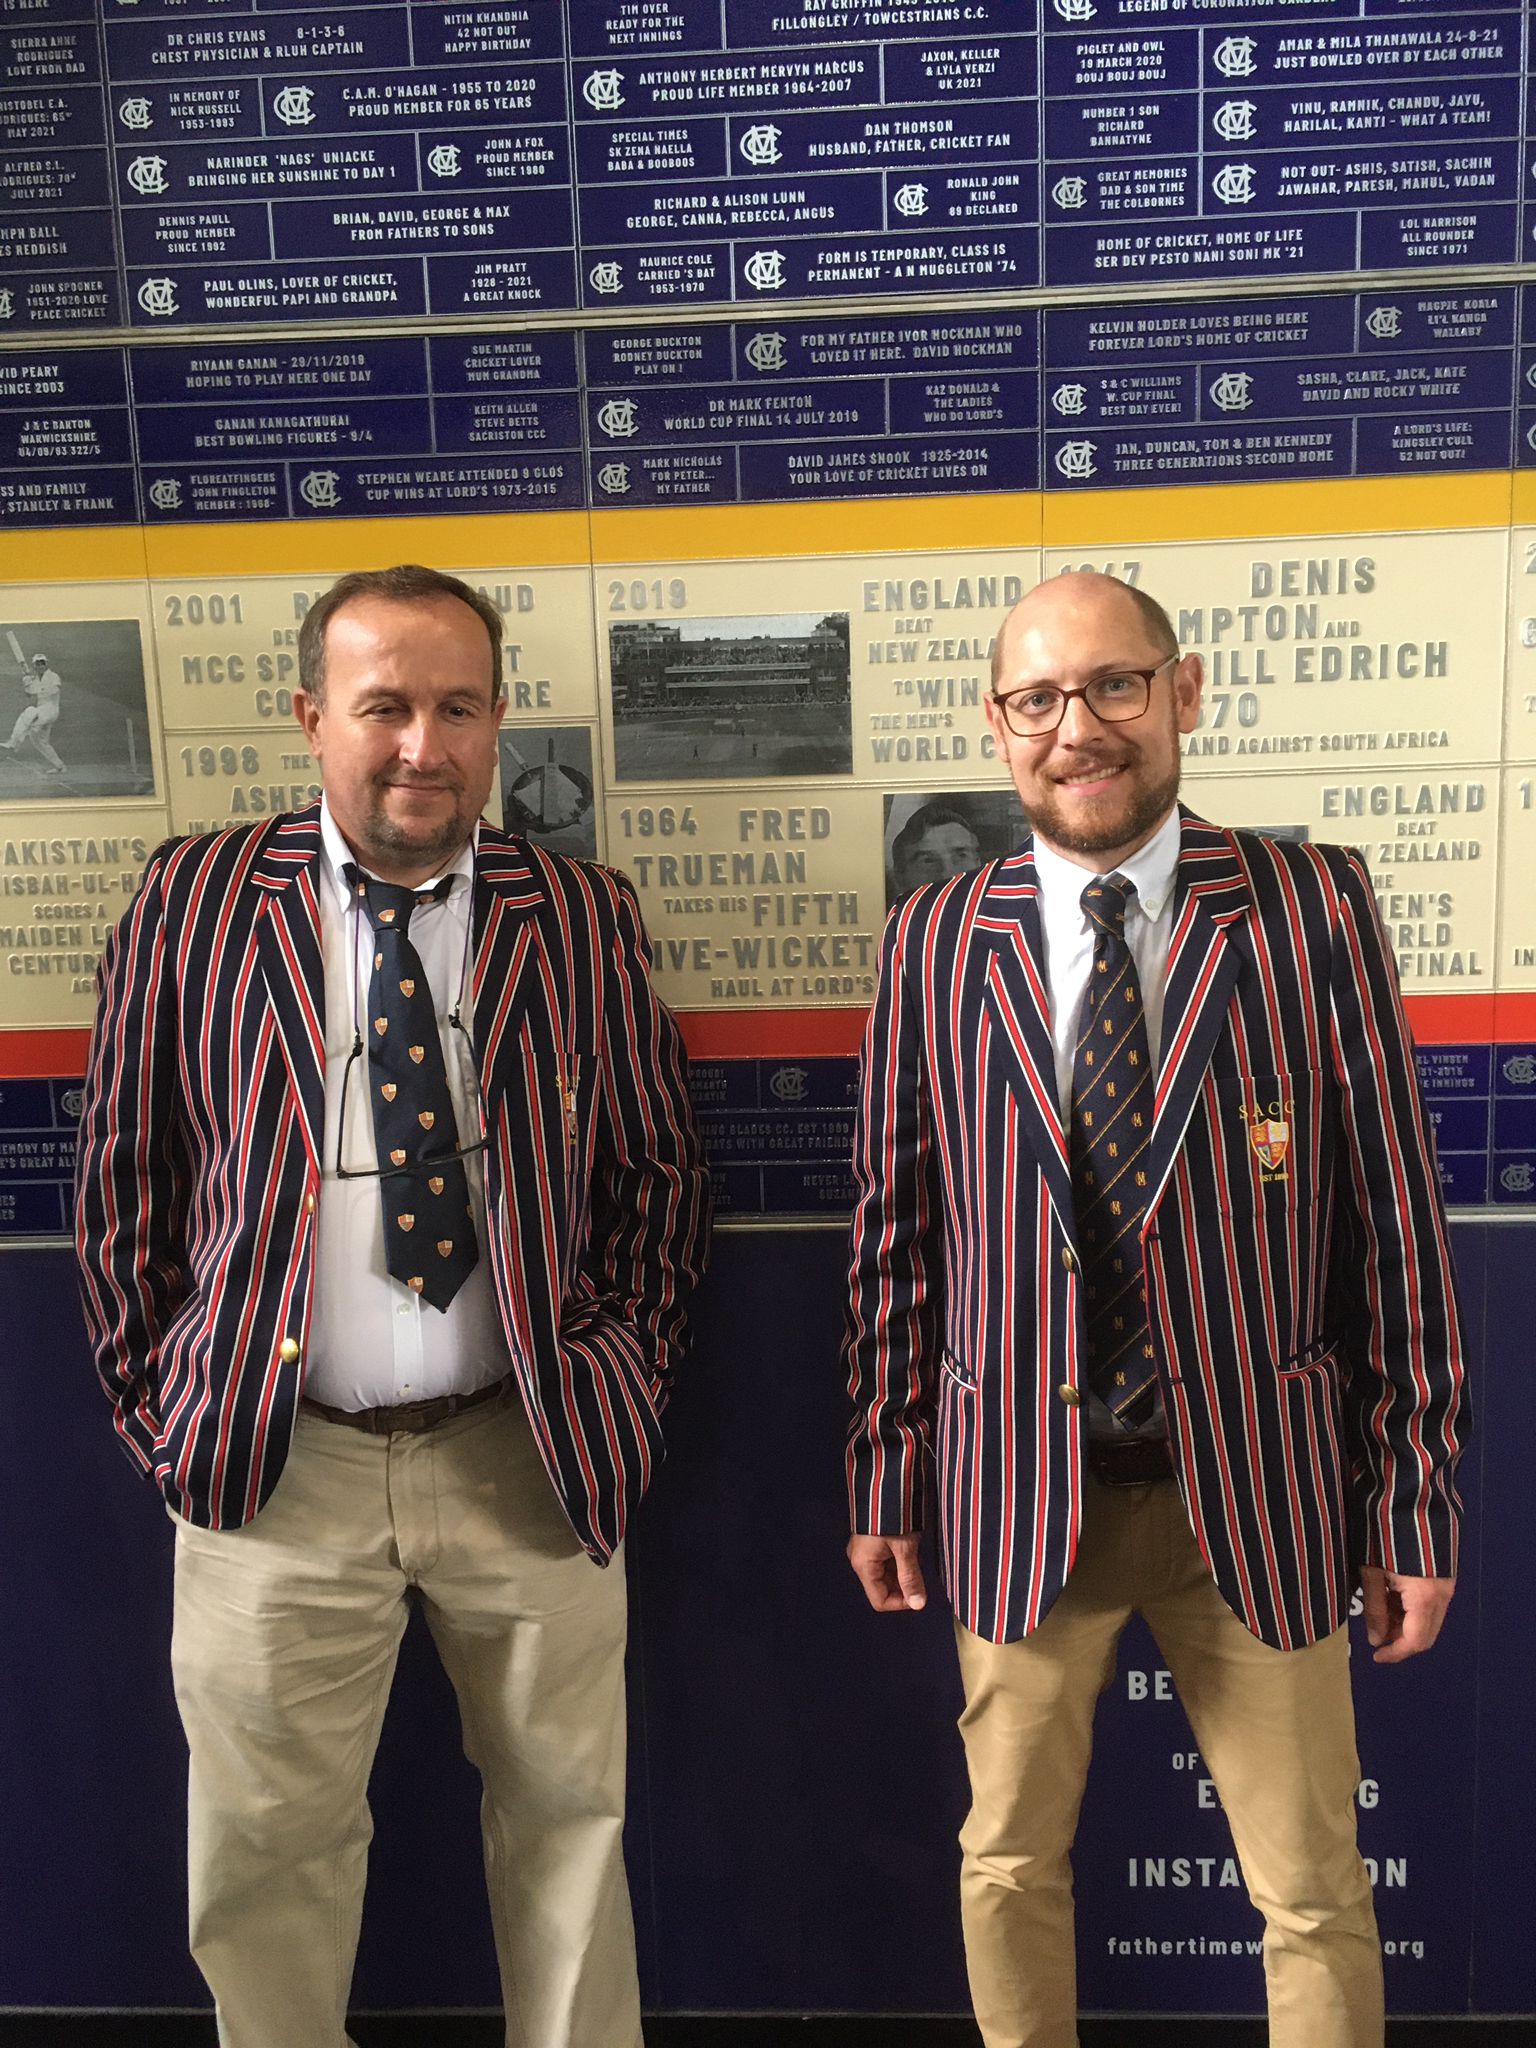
(1068, 1259)
(1070, 1395)
(288, 1350)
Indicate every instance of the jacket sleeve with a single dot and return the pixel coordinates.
(130, 1170)
(896, 1287)
(650, 1192)
(1393, 1282)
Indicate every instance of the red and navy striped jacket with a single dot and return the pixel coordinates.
(1304, 1314)
(199, 1166)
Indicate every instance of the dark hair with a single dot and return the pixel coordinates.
(923, 820)
(1157, 622)
(410, 583)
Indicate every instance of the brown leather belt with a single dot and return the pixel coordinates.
(1136, 1461)
(410, 1420)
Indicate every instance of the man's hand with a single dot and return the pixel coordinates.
(1402, 1615)
(888, 1570)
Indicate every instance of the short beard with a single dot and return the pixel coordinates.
(436, 843)
(1144, 816)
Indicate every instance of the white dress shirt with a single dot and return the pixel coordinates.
(373, 1343)
(1068, 939)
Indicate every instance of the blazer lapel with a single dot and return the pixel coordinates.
(1203, 968)
(1018, 1001)
(288, 946)
(507, 895)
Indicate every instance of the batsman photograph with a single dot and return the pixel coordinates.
(74, 715)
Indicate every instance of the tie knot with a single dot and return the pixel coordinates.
(1104, 903)
(389, 906)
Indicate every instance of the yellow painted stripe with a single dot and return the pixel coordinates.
(289, 547)
(78, 554)
(707, 533)
(877, 526)
(1399, 504)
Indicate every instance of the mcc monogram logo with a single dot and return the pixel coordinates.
(764, 270)
(606, 278)
(321, 489)
(1530, 435)
(789, 1084)
(1075, 10)
(912, 200)
(1070, 400)
(760, 143)
(1518, 1179)
(765, 352)
(157, 296)
(1233, 184)
(1070, 192)
(443, 162)
(1074, 459)
(146, 174)
(619, 418)
(136, 112)
(165, 493)
(613, 478)
(1234, 120)
(1530, 375)
(1520, 1069)
(1235, 56)
(72, 1102)
(294, 106)
(1233, 391)
(604, 91)
(1385, 322)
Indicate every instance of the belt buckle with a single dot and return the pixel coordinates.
(411, 1419)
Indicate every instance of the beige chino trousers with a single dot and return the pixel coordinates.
(1276, 1729)
(284, 1646)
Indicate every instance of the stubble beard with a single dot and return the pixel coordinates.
(423, 842)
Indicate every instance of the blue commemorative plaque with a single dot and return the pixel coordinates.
(38, 1120)
(216, 372)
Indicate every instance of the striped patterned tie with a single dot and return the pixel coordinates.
(1112, 1088)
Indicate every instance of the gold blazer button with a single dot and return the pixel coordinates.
(288, 1350)
(1070, 1395)
(1068, 1258)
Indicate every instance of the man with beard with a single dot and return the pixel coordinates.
(1150, 1257)
(390, 1204)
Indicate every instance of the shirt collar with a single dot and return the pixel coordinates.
(339, 856)
(1153, 868)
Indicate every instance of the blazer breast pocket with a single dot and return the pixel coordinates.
(1271, 1141)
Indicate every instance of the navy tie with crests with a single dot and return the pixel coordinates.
(429, 1228)
(1112, 1090)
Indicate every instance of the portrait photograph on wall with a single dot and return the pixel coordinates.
(936, 834)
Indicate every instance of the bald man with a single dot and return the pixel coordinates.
(1150, 1263)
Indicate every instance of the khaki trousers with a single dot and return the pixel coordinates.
(283, 1650)
(1276, 1730)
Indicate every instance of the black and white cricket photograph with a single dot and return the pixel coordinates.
(936, 834)
(546, 787)
(698, 699)
(74, 715)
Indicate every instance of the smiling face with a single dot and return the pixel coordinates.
(1093, 792)
(405, 733)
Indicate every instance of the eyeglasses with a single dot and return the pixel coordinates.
(1115, 699)
(419, 1165)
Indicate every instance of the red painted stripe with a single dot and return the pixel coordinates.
(1474, 1018)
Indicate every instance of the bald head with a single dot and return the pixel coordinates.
(1076, 606)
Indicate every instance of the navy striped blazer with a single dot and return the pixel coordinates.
(1304, 1314)
(199, 1166)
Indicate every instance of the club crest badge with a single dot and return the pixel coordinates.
(1270, 1138)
